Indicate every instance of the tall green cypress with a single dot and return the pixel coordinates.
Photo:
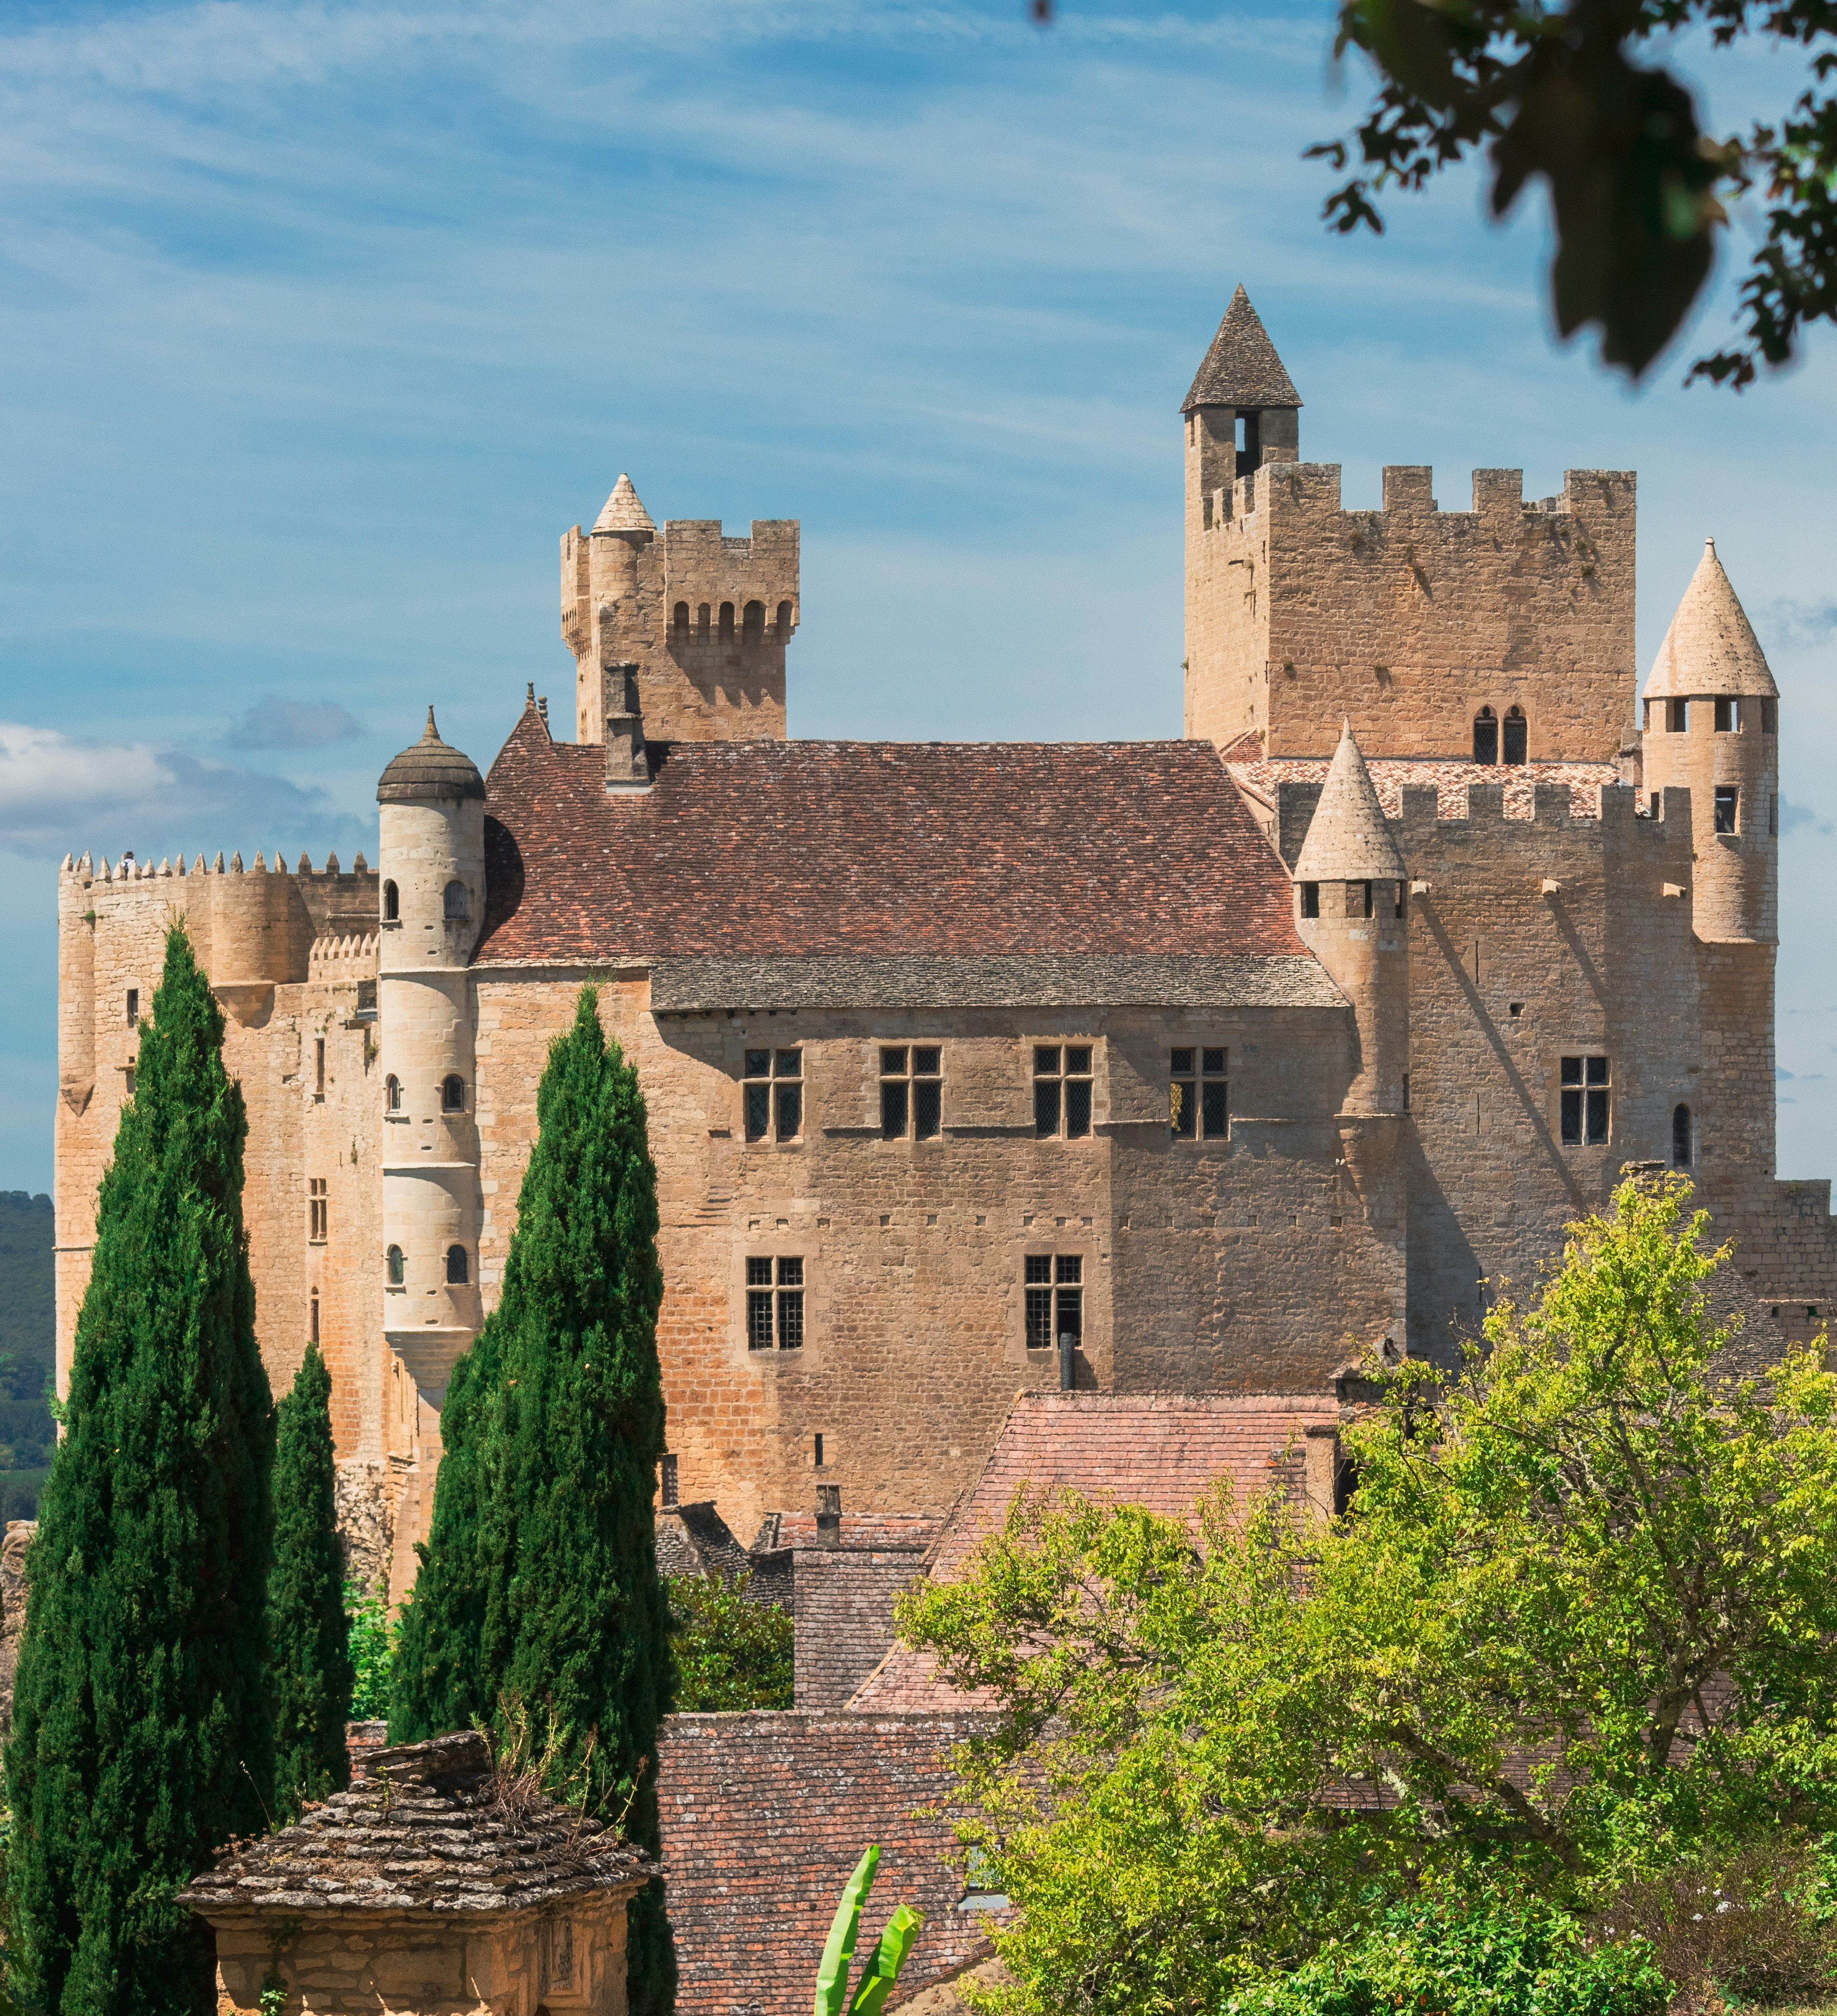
(141, 1736)
(538, 1609)
(308, 1628)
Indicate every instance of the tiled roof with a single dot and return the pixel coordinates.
(1159, 1450)
(693, 1539)
(845, 1613)
(857, 1529)
(1347, 838)
(1241, 368)
(764, 1816)
(428, 1826)
(1260, 776)
(1710, 646)
(881, 849)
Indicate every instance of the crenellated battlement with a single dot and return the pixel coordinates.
(1313, 489)
(130, 868)
(351, 955)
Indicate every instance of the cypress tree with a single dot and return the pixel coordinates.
(538, 1611)
(308, 1628)
(140, 1738)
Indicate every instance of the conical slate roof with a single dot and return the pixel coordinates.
(1711, 647)
(1241, 368)
(624, 512)
(428, 768)
(1347, 840)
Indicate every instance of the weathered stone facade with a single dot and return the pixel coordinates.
(955, 1052)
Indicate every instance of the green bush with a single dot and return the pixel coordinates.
(731, 1652)
(1459, 1957)
(373, 1646)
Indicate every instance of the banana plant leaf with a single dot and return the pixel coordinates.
(885, 1961)
(838, 1951)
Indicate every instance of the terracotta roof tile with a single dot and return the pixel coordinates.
(821, 848)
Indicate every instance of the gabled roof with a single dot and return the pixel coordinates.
(1711, 647)
(889, 850)
(1157, 1449)
(1347, 839)
(1241, 368)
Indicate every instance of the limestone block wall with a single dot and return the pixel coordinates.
(1735, 892)
(1242, 1263)
(1405, 621)
(705, 618)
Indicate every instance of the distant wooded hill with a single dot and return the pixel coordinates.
(28, 1332)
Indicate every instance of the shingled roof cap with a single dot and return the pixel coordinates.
(1241, 368)
(428, 768)
(1711, 647)
(1347, 840)
(623, 511)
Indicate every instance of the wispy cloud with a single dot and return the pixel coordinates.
(1800, 625)
(275, 723)
(1800, 819)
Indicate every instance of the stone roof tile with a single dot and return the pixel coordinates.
(1710, 647)
(1347, 839)
(1241, 368)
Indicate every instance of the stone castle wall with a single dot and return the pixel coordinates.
(1405, 621)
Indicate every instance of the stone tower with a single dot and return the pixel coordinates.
(1352, 898)
(685, 630)
(1421, 627)
(431, 820)
(1712, 726)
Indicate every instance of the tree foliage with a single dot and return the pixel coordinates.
(732, 1653)
(1578, 1624)
(538, 1611)
(372, 1640)
(1575, 95)
(311, 1673)
(141, 1737)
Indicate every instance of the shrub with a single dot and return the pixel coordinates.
(1447, 1957)
(731, 1652)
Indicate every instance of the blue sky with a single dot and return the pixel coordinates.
(322, 322)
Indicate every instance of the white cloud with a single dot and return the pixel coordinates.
(59, 794)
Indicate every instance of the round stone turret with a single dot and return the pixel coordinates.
(1352, 899)
(431, 819)
(1712, 726)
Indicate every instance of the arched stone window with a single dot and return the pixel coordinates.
(397, 1265)
(454, 902)
(1516, 735)
(391, 904)
(1485, 736)
(1681, 1143)
(458, 1273)
(392, 1094)
(452, 1093)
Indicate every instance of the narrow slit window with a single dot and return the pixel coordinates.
(312, 1318)
(397, 1266)
(1062, 1091)
(391, 904)
(773, 1094)
(1368, 900)
(392, 1094)
(133, 1007)
(1517, 735)
(1585, 1090)
(1199, 1105)
(912, 1092)
(1681, 1157)
(318, 1065)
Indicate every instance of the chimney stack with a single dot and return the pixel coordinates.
(829, 1515)
(628, 768)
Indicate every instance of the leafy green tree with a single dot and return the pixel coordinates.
(731, 1652)
(1576, 1626)
(312, 1673)
(1579, 96)
(373, 1648)
(142, 1739)
(538, 1611)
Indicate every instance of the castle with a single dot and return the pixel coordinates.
(1171, 1066)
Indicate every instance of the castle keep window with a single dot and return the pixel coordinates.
(391, 904)
(1769, 717)
(1062, 1091)
(1728, 717)
(1677, 717)
(458, 1273)
(1728, 800)
(313, 1319)
(392, 1094)
(1680, 1137)
(1585, 1101)
(133, 1006)
(1485, 736)
(774, 1303)
(452, 1093)
(912, 1094)
(317, 1206)
(774, 1095)
(397, 1266)
(1516, 735)
(1310, 899)
(1198, 1094)
(454, 902)
(1055, 1298)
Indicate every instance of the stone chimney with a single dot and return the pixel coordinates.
(829, 1515)
(628, 767)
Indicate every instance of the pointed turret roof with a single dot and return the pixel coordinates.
(428, 769)
(624, 513)
(1241, 368)
(1347, 839)
(1711, 647)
